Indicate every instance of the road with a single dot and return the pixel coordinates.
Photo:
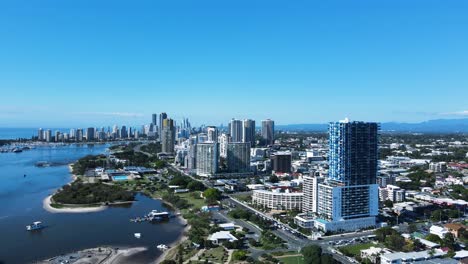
(294, 242)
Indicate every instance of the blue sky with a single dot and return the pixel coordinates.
(78, 63)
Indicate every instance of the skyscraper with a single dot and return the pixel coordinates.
(236, 130)
(207, 156)
(90, 134)
(238, 157)
(40, 134)
(248, 133)
(162, 116)
(48, 135)
(224, 139)
(168, 136)
(268, 131)
(212, 132)
(348, 199)
(154, 119)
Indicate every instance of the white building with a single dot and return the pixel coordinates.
(278, 200)
(438, 231)
(310, 189)
(373, 253)
(221, 236)
(207, 155)
(223, 139)
(409, 257)
(392, 193)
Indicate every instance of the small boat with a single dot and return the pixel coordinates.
(162, 247)
(42, 164)
(17, 150)
(35, 226)
(137, 235)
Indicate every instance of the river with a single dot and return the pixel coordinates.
(21, 203)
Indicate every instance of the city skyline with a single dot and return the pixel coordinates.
(116, 64)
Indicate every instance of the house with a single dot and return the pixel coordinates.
(455, 228)
(221, 236)
(438, 231)
(410, 257)
(373, 253)
(227, 226)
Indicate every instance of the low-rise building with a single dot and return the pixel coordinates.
(221, 236)
(278, 200)
(373, 253)
(438, 231)
(455, 228)
(410, 257)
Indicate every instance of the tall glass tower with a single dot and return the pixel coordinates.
(353, 152)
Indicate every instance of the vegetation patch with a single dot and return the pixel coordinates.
(91, 193)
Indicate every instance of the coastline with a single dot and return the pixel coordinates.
(46, 204)
(102, 255)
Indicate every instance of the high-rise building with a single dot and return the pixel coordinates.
(212, 132)
(268, 131)
(72, 133)
(168, 135)
(162, 116)
(79, 134)
(310, 190)
(90, 134)
(40, 134)
(353, 152)
(207, 156)
(348, 200)
(154, 119)
(236, 130)
(57, 136)
(48, 135)
(281, 162)
(248, 133)
(123, 132)
(238, 157)
(224, 139)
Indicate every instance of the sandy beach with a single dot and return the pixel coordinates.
(102, 255)
(47, 201)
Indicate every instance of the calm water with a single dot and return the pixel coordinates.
(21, 204)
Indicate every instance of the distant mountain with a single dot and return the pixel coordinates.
(430, 126)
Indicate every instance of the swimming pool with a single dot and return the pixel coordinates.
(120, 177)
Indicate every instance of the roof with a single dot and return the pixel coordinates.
(422, 255)
(226, 225)
(461, 254)
(455, 226)
(222, 235)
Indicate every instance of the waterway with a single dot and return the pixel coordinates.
(21, 203)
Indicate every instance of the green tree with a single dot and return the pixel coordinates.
(274, 179)
(388, 203)
(312, 254)
(395, 242)
(412, 228)
(212, 195)
(195, 186)
(434, 238)
(239, 255)
(449, 241)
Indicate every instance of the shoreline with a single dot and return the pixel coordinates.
(102, 255)
(46, 204)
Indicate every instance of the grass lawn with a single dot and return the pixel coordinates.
(291, 259)
(355, 250)
(215, 255)
(197, 202)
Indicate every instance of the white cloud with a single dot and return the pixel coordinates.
(114, 114)
(459, 113)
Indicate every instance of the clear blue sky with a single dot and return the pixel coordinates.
(78, 63)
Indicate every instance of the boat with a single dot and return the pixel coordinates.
(137, 235)
(162, 247)
(42, 164)
(16, 150)
(35, 226)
